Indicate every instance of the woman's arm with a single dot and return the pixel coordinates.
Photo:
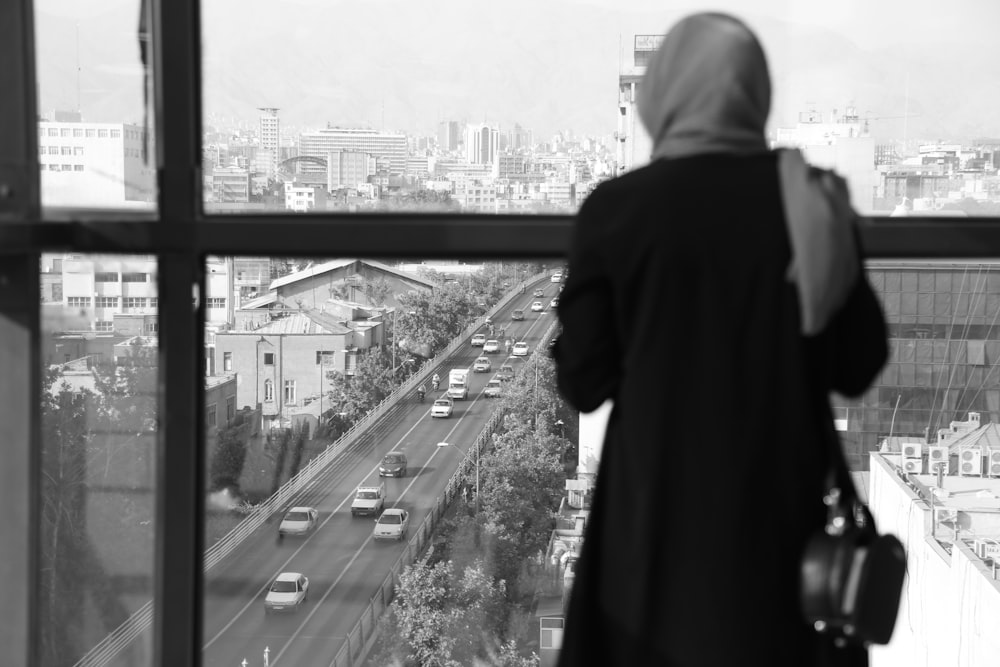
(587, 352)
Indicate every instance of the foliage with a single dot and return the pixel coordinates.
(436, 317)
(227, 462)
(356, 395)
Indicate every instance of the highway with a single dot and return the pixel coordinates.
(344, 565)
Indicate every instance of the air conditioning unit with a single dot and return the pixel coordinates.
(993, 464)
(937, 457)
(914, 466)
(912, 450)
(970, 461)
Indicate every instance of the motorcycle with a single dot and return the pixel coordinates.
(435, 384)
(420, 394)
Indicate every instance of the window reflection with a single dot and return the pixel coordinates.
(99, 416)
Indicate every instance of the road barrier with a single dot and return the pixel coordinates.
(109, 647)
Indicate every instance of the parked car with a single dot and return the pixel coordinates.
(492, 345)
(392, 524)
(368, 499)
(478, 340)
(442, 407)
(537, 307)
(519, 350)
(286, 593)
(481, 365)
(298, 521)
(517, 315)
(493, 388)
(393, 465)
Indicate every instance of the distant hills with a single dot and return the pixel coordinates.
(549, 66)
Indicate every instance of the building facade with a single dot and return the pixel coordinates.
(632, 143)
(270, 139)
(386, 147)
(482, 144)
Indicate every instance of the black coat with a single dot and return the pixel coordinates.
(677, 307)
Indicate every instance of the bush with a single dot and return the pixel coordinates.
(227, 464)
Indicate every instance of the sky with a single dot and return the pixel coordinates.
(550, 65)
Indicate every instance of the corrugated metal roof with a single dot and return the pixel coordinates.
(339, 264)
(986, 436)
(260, 301)
(305, 322)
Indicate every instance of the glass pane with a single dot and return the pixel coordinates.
(99, 412)
(461, 116)
(96, 149)
(316, 427)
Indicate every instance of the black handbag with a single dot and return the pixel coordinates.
(852, 577)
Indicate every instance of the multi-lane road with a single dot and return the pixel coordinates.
(344, 565)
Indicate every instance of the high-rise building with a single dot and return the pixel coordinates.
(632, 144)
(269, 139)
(482, 144)
(448, 135)
(386, 147)
(95, 164)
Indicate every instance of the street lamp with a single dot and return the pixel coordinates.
(465, 455)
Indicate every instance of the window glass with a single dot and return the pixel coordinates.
(456, 116)
(98, 466)
(90, 94)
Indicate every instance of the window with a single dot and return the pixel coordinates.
(102, 134)
(53, 132)
(289, 392)
(134, 277)
(66, 150)
(269, 358)
(77, 167)
(106, 277)
(230, 409)
(152, 327)
(64, 132)
(216, 302)
(107, 302)
(116, 134)
(210, 416)
(131, 304)
(227, 361)
(77, 150)
(53, 150)
(77, 132)
(104, 325)
(78, 302)
(324, 357)
(268, 391)
(91, 133)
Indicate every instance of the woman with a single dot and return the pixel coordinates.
(733, 301)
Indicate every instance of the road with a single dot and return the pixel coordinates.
(344, 565)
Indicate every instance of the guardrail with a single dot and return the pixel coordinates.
(109, 647)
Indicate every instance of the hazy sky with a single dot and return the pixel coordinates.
(549, 65)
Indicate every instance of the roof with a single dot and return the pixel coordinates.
(288, 576)
(300, 509)
(304, 322)
(335, 264)
(986, 436)
(260, 301)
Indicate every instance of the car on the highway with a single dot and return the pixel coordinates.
(556, 277)
(554, 303)
(493, 388)
(517, 315)
(442, 407)
(286, 593)
(505, 373)
(392, 524)
(537, 307)
(520, 349)
(481, 365)
(368, 499)
(478, 340)
(492, 345)
(298, 521)
(393, 465)
(539, 292)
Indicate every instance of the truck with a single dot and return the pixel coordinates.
(458, 384)
(369, 499)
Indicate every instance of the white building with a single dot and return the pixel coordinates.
(348, 169)
(229, 184)
(386, 147)
(270, 139)
(302, 198)
(633, 145)
(482, 144)
(950, 609)
(95, 165)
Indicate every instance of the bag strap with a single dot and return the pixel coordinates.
(839, 477)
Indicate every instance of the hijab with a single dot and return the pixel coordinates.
(707, 90)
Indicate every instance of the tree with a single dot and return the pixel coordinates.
(421, 612)
(435, 318)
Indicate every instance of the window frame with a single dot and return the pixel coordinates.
(181, 235)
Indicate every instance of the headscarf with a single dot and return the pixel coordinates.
(707, 90)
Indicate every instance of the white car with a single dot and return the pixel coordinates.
(491, 345)
(368, 499)
(519, 350)
(442, 407)
(287, 593)
(392, 524)
(478, 340)
(481, 365)
(493, 388)
(298, 521)
(537, 307)
(556, 277)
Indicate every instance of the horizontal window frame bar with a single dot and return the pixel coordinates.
(430, 235)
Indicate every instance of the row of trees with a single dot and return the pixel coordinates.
(475, 607)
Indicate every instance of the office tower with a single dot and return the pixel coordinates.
(482, 143)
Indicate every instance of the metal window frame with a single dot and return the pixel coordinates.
(181, 235)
